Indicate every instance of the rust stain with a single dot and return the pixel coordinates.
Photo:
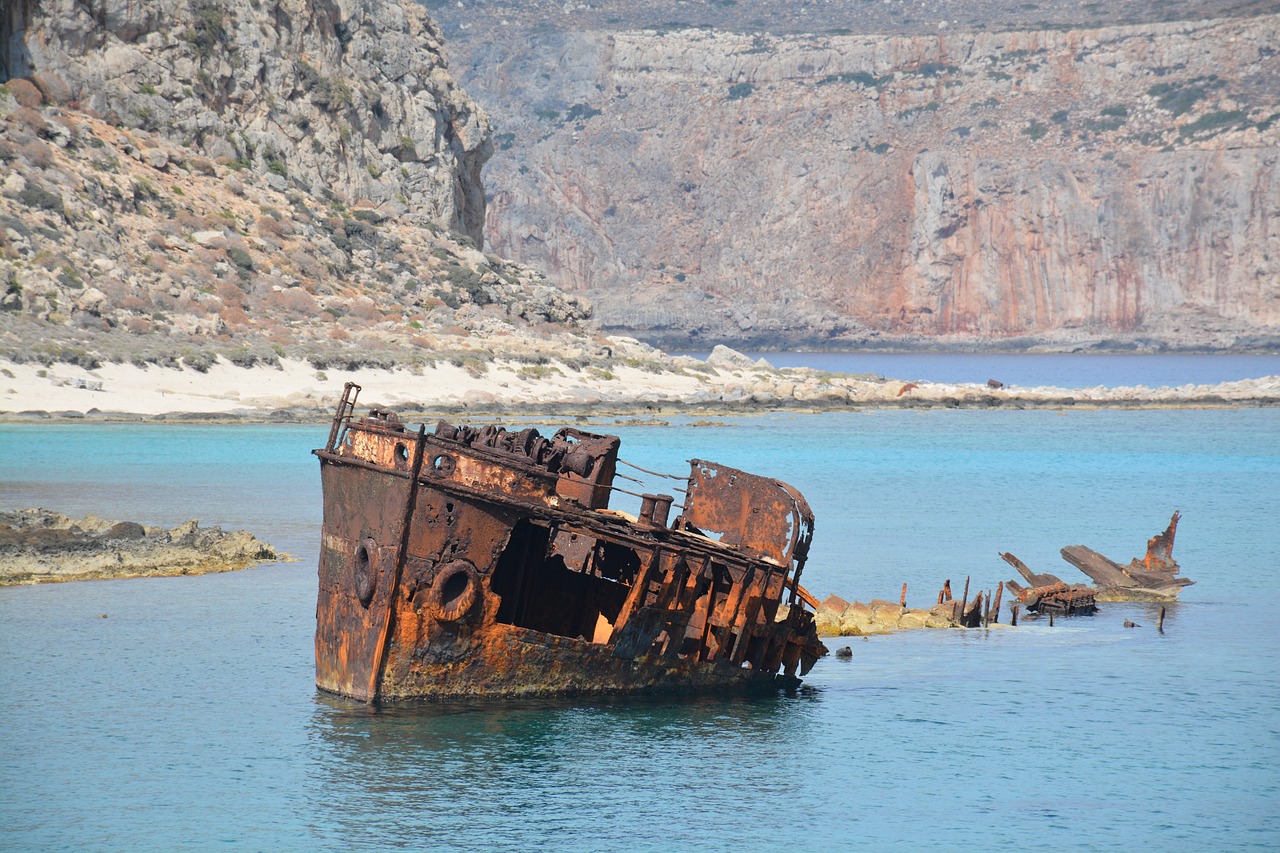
(1159, 557)
(486, 562)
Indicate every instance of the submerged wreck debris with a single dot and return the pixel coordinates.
(1149, 578)
(1049, 593)
(983, 611)
(486, 562)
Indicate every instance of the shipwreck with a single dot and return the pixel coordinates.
(1151, 577)
(486, 562)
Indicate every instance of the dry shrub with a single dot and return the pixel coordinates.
(29, 120)
(37, 152)
(423, 342)
(363, 307)
(231, 295)
(338, 333)
(196, 276)
(294, 300)
(157, 241)
(135, 302)
(115, 289)
(201, 256)
(137, 325)
(188, 221)
(25, 93)
(235, 317)
(309, 269)
(187, 305)
(72, 128)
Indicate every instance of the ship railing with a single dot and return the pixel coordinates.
(342, 418)
(725, 511)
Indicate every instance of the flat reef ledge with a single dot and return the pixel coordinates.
(39, 545)
(836, 617)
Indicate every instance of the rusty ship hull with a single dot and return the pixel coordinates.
(465, 563)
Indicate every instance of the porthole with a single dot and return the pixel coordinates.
(365, 571)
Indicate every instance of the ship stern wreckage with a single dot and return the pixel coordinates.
(484, 562)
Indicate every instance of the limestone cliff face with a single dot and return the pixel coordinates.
(351, 96)
(1075, 187)
(251, 179)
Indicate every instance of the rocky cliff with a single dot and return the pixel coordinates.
(350, 97)
(1064, 183)
(185, 180)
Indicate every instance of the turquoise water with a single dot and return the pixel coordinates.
(1060, 370)
(187, 718)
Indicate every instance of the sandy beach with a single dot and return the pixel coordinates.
(729, 382)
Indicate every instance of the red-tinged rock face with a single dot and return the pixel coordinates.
(1090, 184)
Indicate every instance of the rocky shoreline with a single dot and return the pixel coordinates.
(41, 546)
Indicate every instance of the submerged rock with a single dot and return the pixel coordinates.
(837, 618)
(39, 545)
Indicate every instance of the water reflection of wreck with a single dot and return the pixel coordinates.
(486, 562)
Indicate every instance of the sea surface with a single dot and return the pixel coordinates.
(1059, 370)
(180, 713)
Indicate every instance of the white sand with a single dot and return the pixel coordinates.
(297, 385)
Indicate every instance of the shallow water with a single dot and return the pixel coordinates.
(187, 718)
(1059, 370)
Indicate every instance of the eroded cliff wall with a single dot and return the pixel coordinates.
(1075, 187)
(352, 96)
(188, 180)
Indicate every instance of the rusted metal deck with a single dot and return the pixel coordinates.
(1050, 594)
(486, 562)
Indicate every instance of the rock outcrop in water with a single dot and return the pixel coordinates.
(775, 178)
(40, 546)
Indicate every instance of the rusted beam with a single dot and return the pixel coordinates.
(406, 524)
(638, 591)
(1031, 577)
(806, 597)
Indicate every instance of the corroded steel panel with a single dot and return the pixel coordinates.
(1159, 556)
(758, 515)
(360, 540)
